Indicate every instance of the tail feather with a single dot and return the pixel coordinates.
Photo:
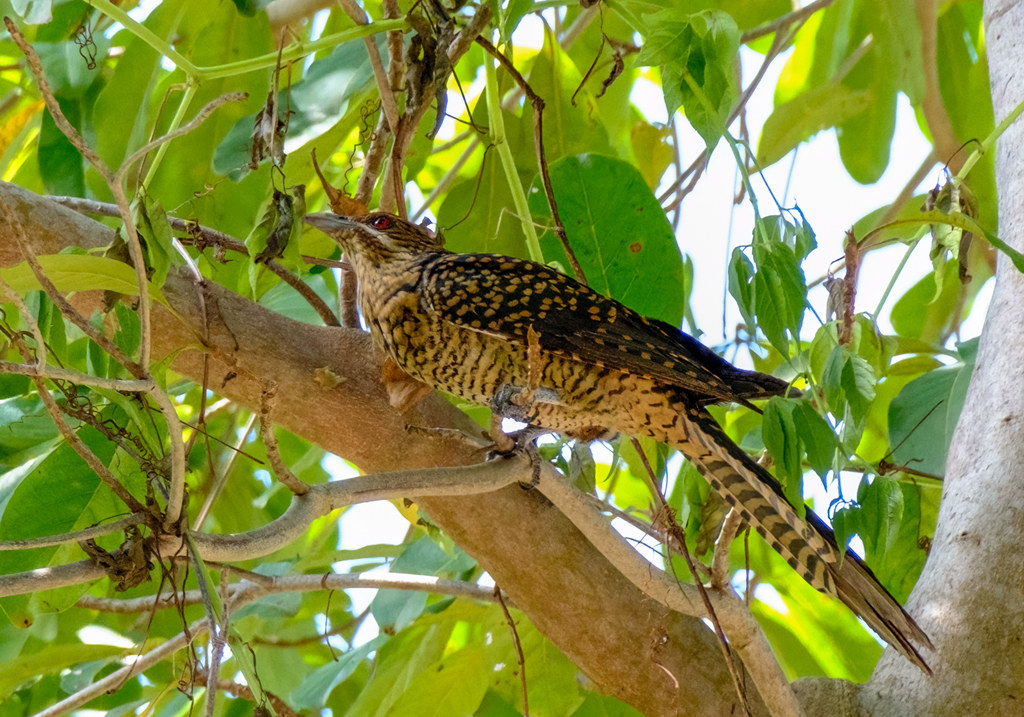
(807, 544)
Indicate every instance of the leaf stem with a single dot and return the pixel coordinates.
(497, 127)
(989, 142)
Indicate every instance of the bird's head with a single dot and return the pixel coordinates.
(376, 237)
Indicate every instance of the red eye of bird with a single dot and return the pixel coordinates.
(380, 222)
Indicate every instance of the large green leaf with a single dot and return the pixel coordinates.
(806, 114)
(924, 414)
(618, 232)
(78, 272)
(477, 215)
(51, 497)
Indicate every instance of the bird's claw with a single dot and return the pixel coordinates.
(509, 444)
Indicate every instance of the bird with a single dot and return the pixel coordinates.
(543, 348)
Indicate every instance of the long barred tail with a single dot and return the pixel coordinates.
(807, 544)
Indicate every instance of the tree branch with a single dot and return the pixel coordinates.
(600, 620)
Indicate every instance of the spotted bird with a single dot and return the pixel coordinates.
(478, 325)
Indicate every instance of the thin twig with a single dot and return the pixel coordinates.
(201, 116)
(176, 494)
(83, 379)
(537, 103)
(720, 561)
(519, 649)
(75, 536)
(84, 452)
(243, 593)
(306, 292)
(284, 474)
(222, 476)
(10, 295)
(385, 90)
(785, 21)
(66, 309)
(199, 234)
(134, 667)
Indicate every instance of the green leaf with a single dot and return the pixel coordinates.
(891, 525)
(780, 289)
(316, 687)
(779, 432)
(698, 55)
(24, 425)
(849, 384)
(395, 609)
(924, 414)
(79, 272)
(818, 438)
(52, 659)
(61, 166)
(808, 113)
(133, 81)
(741, 285)
(618, 232)
(477, 214)
(128, 332)
(865, 139)
(48, 497)
(211, 35)
(396, 666)
(312, 105)
(454, 685)
(513, 12)
(919, 313)
(571, 124)
(151, 223)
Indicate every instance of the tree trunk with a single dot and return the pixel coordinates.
(970, 598)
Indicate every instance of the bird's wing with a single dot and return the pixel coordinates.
(505, 297)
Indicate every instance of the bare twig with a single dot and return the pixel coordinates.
(720, 562)
(222, 476)
(75, 536)
(176, 494)
(199, 234)
(852, 254)
(320, 500)
(58, 299)
(201, 116)
(135, 666)
(672, 528)
(243, 593)
(284, 474)
(10, 295)
(306, 292)
(519, 650)
(745, 635)
(385, 89)
(83, 379)
(781, 23)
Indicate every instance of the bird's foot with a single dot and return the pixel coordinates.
(521, 441)
(517, 402)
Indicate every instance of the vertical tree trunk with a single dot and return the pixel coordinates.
(970, 598)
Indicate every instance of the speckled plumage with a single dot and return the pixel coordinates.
(461, 323)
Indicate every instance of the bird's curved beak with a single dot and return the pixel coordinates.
(330, 223)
